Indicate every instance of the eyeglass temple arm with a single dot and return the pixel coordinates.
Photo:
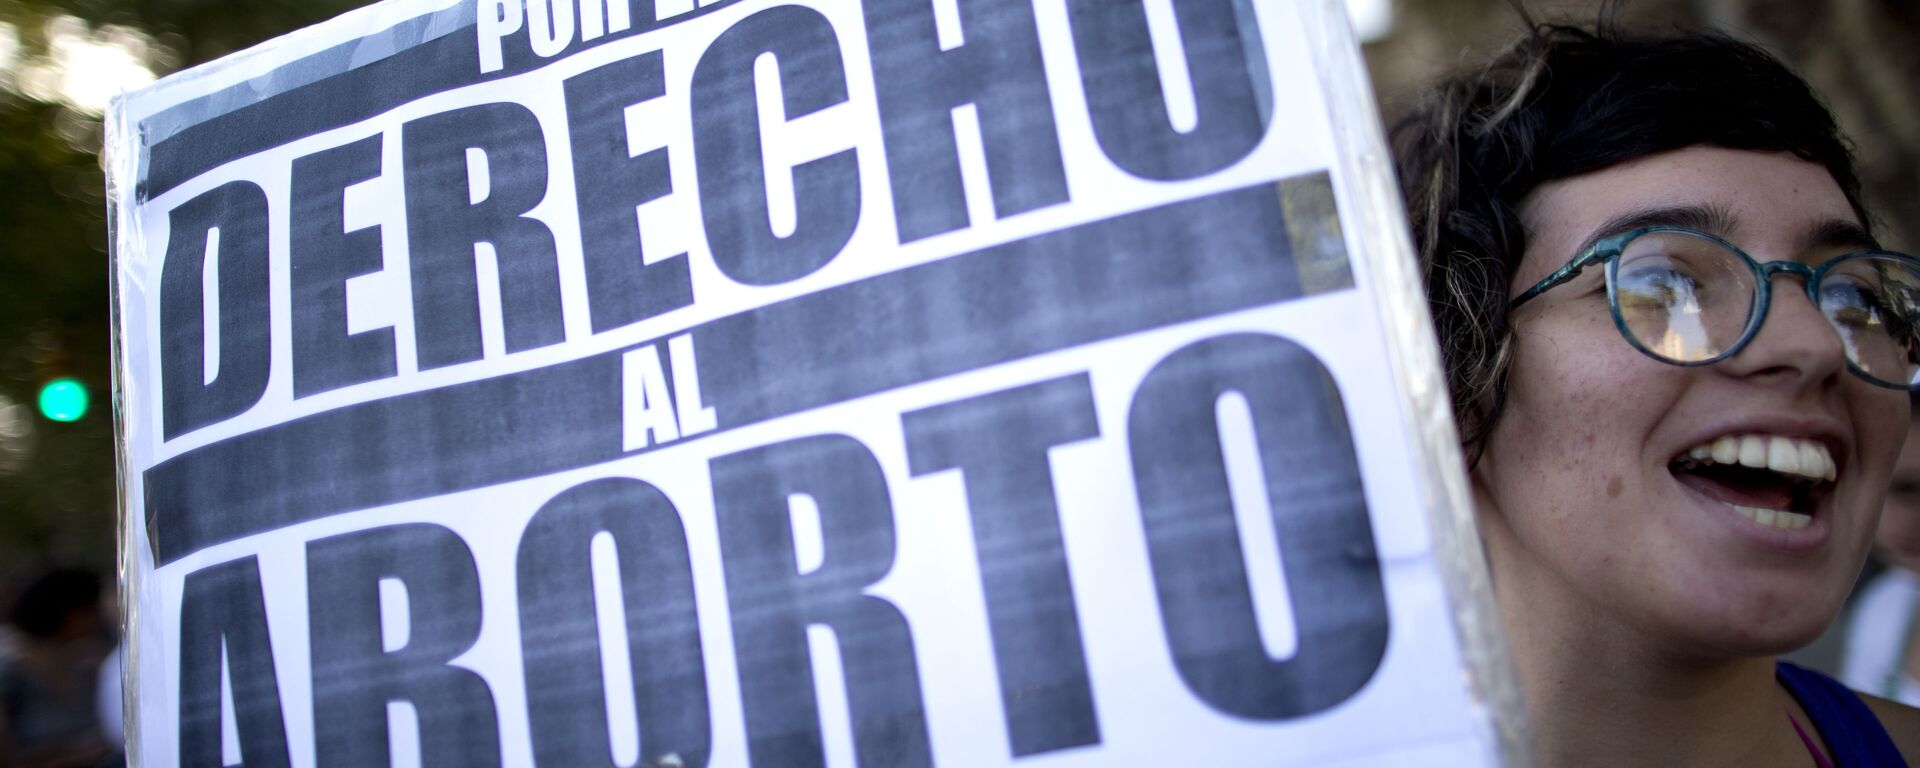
(1562, 275)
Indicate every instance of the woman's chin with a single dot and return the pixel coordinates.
(1726, 632)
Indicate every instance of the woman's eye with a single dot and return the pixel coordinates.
(1660, 284)
(1852, 304)
(1853, 316)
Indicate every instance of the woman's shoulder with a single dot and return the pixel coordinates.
(1902, 724)
(1851, 722)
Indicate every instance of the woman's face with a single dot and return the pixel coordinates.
(1592, 514)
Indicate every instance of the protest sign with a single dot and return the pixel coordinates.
(884, 383)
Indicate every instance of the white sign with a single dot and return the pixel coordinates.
(884, 383)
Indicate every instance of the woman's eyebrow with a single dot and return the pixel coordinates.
(1711, 219)
(1838, 234)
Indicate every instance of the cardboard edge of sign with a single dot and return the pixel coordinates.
(119, 167)
(1378, 238)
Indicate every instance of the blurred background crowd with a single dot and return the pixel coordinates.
(62, 60)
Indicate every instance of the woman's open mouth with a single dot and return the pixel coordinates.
(1773, 480)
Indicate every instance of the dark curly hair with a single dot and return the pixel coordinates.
(1559, 102)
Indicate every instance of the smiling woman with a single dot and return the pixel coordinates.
(1680, 363)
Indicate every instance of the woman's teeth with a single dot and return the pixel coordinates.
(1785, 455)
(1774, 518)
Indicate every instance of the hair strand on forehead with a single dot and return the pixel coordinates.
(1559, 102)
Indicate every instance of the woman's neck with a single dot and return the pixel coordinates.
(1600, 693)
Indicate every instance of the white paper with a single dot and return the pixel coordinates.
(886, 384)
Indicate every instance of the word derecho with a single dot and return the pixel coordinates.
(471, 176)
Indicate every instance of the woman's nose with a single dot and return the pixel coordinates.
(1795, 340)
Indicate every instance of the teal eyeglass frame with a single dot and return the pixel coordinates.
(1608, 250)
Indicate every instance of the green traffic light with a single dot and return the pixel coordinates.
(63, 400)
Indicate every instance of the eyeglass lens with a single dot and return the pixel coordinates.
(1688, 299)
(1684, 298)
(1871, 301)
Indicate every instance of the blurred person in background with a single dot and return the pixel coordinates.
(55, 638)
(1883, 637)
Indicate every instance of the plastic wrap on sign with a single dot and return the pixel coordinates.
(890, 383)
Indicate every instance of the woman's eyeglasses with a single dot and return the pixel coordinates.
(1689, 298)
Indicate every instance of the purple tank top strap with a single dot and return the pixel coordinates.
(1853, 735)
(1819, 758)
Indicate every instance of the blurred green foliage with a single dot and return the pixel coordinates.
(58, 495)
